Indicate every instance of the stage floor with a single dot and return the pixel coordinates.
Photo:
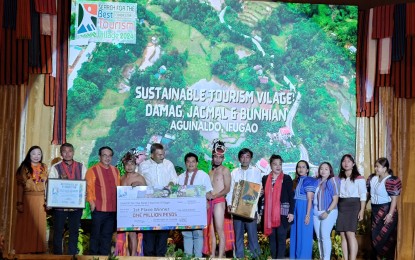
(78, 257)
(90, 257)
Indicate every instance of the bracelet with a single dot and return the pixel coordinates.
(390, 214)
(307, 216)
(19, 203)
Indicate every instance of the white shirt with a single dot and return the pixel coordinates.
(252, 174)
(356, 189)
(53, 173)
(158, 174)
(378, 193)
(201, 178)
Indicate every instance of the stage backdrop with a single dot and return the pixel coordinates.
(273, 77)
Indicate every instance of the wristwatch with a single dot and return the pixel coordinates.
(328, 211)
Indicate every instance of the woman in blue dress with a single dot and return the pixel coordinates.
(301, 238)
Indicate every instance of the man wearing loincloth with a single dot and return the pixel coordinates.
(220, 177)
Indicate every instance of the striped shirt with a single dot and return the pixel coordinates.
(325, 192)
(305, 184)
(381, 191)
(102, 187)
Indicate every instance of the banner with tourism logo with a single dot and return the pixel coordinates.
(106, 22)
(161, 208)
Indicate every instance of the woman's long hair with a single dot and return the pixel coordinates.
(355, 172)
(297, 176)
(330, 168)
(385, 163)
(331, 175)
(27, 163)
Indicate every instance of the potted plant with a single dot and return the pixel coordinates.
(336, 244)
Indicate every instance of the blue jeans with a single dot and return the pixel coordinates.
(193, 242)
(239, 226)
(102, 228)
(74, 221)
(323, 231)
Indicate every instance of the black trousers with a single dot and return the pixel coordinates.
(74, 220)
(155, 242)
(277, 239)
(102, 227)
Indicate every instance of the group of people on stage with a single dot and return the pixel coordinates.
(302, 206)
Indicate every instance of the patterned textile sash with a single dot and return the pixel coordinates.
(191, 179)
(74, 172)
(121, 245)
(272, 216)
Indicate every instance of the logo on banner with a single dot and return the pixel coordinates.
(87, 19)
(112, 22)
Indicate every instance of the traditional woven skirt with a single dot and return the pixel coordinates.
(384, 235)
(122, 244)
(348, 212)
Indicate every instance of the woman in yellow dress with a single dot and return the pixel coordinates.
(31, 176)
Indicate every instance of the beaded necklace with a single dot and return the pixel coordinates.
(37, 173)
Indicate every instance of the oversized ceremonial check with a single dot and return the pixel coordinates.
(63, 193)
(161, 208)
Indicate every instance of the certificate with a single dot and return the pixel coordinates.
(63, 193)
(151, 208)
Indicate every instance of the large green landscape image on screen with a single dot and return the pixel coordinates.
(273, 77)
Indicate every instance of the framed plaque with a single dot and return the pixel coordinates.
(245, 199)
(63, 193)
